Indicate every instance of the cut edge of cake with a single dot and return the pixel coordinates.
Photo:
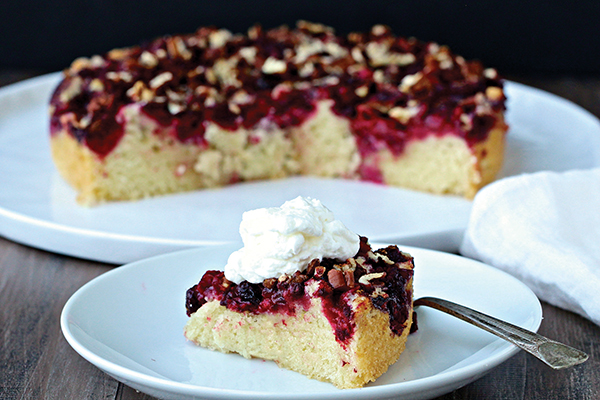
(148, 162)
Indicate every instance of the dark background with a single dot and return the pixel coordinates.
(515, 36)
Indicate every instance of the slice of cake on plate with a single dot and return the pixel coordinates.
(308, 294)
(212, 108)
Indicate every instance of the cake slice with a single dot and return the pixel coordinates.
(340, 321)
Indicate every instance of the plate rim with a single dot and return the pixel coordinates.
(464, 375)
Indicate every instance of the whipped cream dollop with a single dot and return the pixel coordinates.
(283, 240)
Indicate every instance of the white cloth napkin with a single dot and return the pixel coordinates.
(544, 229)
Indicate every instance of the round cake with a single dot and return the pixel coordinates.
(213, 108)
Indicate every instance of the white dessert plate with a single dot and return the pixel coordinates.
(129, 323)
(38, 209)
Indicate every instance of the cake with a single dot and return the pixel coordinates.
(339, 320)
(212, 108)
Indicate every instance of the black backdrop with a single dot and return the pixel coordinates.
(560, 36)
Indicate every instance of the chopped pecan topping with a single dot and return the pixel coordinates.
(336, 279)
(320, 271)
(270, 283)
(310, 269)
(366, 279)
(349, 278)
(378, 81)
(299, 278)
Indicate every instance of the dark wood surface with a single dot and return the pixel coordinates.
(37, 363)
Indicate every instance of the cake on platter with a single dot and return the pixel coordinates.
(309, 294)
(212, 108)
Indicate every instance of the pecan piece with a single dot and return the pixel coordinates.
(310, 270)
(349, 278)
(320, 271)
(270, 283)
(299, 278)
(366, 279)
(336, 279)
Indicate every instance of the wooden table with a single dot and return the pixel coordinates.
(37, 363)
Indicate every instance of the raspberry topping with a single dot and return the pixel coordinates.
(391, 89)
(381, 276)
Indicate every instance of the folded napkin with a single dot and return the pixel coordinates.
(544, 229)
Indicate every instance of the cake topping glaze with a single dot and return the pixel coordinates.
(283, 240)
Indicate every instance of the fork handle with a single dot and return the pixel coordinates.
(555, 354)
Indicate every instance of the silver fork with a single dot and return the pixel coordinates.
(556, 355)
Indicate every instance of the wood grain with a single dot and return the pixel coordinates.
(36, 362)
